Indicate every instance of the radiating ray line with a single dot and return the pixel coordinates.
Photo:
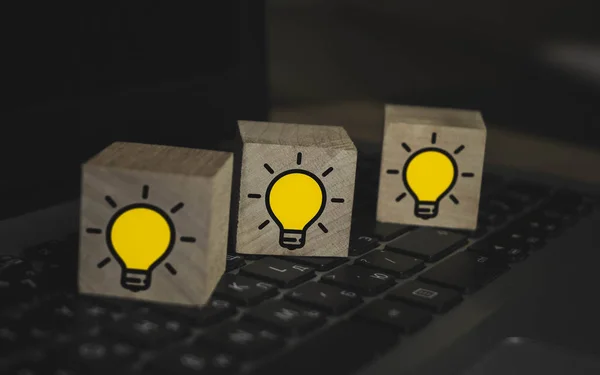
(103, 262)
(337, 200)
(263, 224)
(145, 192)
(327, 171)
(177, 207)
(254, 195)
(299, 158)
(93, 230)
(400, 197)
(268, 168)
(459, 149)
(170, 268)
(392, 171)
(433, 138)
(467, 174)
(110, 201)
(453, 199)
(406, 147)
(323, 228)
(187, 239)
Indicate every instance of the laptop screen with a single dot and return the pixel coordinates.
(84, 75)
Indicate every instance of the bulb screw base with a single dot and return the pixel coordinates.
(292, 239)
(135, 280)
(426, 210)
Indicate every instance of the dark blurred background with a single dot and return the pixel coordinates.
(81, 75)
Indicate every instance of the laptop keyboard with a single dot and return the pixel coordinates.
(274, 315)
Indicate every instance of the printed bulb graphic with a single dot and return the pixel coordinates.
(295, 199)
(429, 174)
(140, 236)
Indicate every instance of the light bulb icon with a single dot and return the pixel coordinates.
(295, 199)
(139, 236)
(429, 175)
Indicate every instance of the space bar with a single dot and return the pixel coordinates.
(340, 350)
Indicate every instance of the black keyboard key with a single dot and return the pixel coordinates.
(505, 203)
(340, 349)
(359, 279)
(243, 339)
(515, 236)
(389, 231)
(234, 261)
(244, 290)
(328, 298)
(148, 330)
(190, 360)
(395, 264)
(280, 272)
(361, 245)
(431, 297)
(96, 356)
(395, 315)
(540, 225)
(527, 192)
(285, 317)
(13, 269)
(465, 272)
(319, 263)
(505, 253)
(490, 218)
(428, 244)
(215, 311)
(12, 336)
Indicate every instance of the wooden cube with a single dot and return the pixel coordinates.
(154, 223)
(296, 189)
(431, 166)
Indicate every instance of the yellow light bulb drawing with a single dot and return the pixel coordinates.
(295, 199)
(429, 174)
(140, 236)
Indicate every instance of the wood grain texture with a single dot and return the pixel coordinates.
(192, 187)
(444, 129)
(328, 153)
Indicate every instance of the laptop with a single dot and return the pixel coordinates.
(516, 296)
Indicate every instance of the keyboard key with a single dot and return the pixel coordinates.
(396, 315)
(361, 245)
(234, 261)
(428, 296)
(148, 330)
(280, 272)
(286, 317)
(244, 290)
(490, 218)
(190, 360)
(215, 311)
(539, 225)
(389, 231)
(515, 236)
(359, 279)
(465, 272)
(505, 203)
(96, 356)
(13, 269)
(340, 349)
(328, 298)
(392, 263)
(427, 243)
(243, 339)
(319, 263)
(527, 192)
(505, 253)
